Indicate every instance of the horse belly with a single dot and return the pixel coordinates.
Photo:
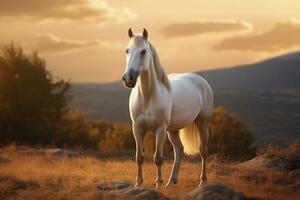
(187, 104)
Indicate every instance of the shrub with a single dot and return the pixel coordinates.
(118, 139)
(150, 146)
(230, 135)
(75, 132)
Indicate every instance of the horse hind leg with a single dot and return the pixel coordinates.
(203, 124)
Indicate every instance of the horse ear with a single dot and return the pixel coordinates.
(130, 33)
(145, 33)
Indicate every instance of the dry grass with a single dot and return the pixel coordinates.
(29, 176)
(292, 152)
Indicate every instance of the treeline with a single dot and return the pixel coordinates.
(34, 110)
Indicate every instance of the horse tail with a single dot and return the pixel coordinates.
(190, 139)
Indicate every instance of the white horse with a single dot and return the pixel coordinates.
(179, 105)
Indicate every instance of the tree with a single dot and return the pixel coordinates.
(32, 103)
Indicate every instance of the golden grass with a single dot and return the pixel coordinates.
(30, 176)
(292, 152)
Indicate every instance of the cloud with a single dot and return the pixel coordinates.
(281, 36)
(197, 28)
(52, 44)
(70, 10)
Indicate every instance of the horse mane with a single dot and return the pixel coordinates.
(160, 73)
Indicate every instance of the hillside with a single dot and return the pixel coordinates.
(279, 72)
(265, 94)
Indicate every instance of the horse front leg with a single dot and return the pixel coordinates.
(178, 153)
(139, 134)
(158, 155)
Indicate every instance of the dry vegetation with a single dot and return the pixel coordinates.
(34, 176)
(290, 153)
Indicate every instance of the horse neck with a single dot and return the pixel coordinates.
(148, 82)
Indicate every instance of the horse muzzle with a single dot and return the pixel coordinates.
(130, 84)
(129, 79)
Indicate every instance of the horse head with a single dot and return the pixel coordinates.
(138, 57)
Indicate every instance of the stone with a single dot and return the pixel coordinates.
(266, 162)
(295, 175)
(54, 152)
(215, 192)
(124, 190)
(61, 152)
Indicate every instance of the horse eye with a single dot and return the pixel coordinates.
(143, 52)
(127, 51)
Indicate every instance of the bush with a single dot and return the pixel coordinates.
(230, 135)
(118, 139)
(75, 132)
(150, 146)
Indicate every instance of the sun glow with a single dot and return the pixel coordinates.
(86, 21)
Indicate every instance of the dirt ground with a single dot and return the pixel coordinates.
(28, 175)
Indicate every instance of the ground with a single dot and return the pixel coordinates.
(26, 174)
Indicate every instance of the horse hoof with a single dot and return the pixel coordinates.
(171, 183)
(158, 185)
(138, 184)
(202, 183)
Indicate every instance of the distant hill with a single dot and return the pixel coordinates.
(265, 94)
(279, 72)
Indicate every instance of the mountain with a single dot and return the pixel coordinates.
(266, 95)
(279, 72)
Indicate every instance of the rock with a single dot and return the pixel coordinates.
(54, 152)
(112, 186)
(61, 152)
(4, 160)
(295, 174)
(270, 162)
(34, 151)
(213, 192)
(216, 192)
(124, 190)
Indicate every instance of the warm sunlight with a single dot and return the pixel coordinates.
(91, 34)
(160, 99)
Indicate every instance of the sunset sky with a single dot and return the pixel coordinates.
(85, 40)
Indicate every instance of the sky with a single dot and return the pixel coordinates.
(85, 40)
